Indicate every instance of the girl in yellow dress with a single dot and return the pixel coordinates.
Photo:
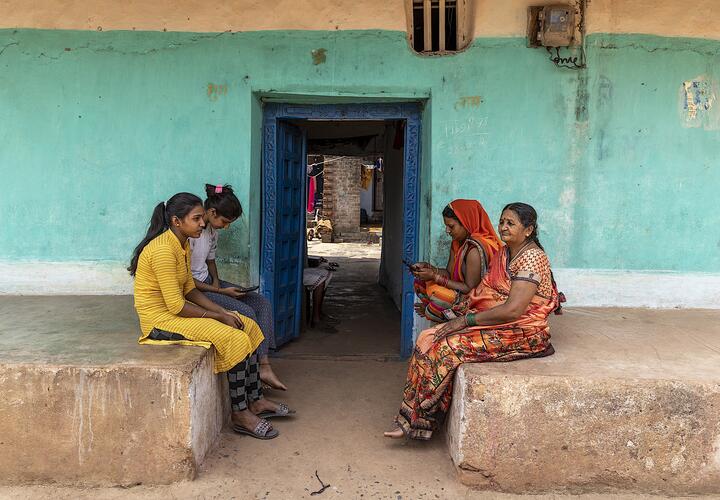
(172, 311)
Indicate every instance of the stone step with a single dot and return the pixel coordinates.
(629, 402)
(359, 237)
(83, 403)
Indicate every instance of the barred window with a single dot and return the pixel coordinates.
(437, 26)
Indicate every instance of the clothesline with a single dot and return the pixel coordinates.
(327, 161)
(332, 160)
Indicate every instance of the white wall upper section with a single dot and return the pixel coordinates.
(493, 18)
(583, 287)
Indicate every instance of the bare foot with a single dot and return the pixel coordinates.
(396, 432)
(263, 404)
(267, 375)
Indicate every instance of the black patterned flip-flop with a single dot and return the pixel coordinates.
(263, 430)
(282, 411)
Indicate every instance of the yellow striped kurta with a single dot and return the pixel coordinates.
(162, 281)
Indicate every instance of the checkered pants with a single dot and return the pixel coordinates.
(244, 380)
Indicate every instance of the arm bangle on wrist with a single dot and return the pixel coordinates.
(470, 319)
(204, 314)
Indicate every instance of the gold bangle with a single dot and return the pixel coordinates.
(204, 314)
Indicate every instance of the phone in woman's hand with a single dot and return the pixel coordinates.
(411, 267)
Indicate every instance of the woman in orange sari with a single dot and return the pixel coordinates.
(506, 320)
(474, 244)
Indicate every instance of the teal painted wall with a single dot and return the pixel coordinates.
(96, 128)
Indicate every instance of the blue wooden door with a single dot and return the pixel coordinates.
(289, 231)
(280, 149)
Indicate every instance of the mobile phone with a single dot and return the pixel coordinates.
(411, 267)
(246, 289)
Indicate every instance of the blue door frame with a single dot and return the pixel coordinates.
(273, 116)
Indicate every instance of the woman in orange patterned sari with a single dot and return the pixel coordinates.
(474, 244)
(506, 320)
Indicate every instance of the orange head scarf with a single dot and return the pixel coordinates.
(475, 220)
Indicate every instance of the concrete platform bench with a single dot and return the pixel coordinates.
(630, 401)
(83, 403)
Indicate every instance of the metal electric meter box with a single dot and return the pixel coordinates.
(551, 26)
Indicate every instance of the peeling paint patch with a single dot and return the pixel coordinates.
(214, 91)
(468, 101)
(319, 56)
(698, 97)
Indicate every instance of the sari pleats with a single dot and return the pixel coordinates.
(428, 390)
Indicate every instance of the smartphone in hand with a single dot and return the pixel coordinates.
(411, 267)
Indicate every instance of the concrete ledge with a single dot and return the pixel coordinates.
(629, 402)
(83, 403)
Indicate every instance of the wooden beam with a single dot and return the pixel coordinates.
(461, 27)
(441, 25)
(409, 15)
(427, 18)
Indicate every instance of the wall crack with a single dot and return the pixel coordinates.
(111, 49)
(5, 47)
(640, 46)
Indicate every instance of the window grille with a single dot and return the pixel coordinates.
(437, 26)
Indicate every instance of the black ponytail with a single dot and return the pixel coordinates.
(178, 206)
(223, 200)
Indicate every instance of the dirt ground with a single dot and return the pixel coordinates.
(343, 407)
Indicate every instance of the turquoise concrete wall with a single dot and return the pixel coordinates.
(96, 128)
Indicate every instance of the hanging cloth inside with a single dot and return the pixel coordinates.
(366, 177)
(311, 194)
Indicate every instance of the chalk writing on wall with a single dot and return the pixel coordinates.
(214, 91)
(473, 126)
(698, 97)
(463, 136)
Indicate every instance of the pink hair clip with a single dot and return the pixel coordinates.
(218, 189)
